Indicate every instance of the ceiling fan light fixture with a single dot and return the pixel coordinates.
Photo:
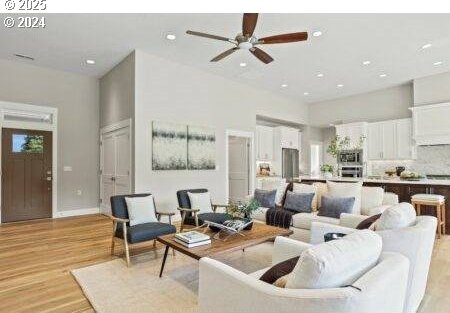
(245, 45)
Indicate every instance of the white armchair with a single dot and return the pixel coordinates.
(415, 242)
(225, 289)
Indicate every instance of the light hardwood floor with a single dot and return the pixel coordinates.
(36, 258)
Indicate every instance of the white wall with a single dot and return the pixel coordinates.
(167, 91)
(76, 98)
(432, 89)
(391, 103)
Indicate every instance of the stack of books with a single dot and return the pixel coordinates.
(192, 239)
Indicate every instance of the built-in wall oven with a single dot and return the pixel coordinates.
(351, 163)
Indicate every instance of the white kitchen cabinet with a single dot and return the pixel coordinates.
(390, 140)
(264, 143)
(286, 137)
(431, 125)
(354, 131)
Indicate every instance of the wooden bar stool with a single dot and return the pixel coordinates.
(436, 202)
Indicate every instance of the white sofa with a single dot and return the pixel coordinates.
(414, 242)
(301, 222)
(225, 289)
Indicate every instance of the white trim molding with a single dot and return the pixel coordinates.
(78, 212)
(34, 117)
(252, 174)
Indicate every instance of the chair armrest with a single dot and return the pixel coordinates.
(188, 210)
(286, 248)
(118, 219)
(351, 220)
(318, 230)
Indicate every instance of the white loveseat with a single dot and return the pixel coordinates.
(414, 242)
(301, 222)
(225, 289)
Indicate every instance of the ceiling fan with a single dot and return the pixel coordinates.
(247, 41)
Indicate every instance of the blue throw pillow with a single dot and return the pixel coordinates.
(299, 202)
(333, 207)
(265, 198)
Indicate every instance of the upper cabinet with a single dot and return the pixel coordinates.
(355, 132)
(431, 124)
(390, 140)
(264, 143)
(286, 137)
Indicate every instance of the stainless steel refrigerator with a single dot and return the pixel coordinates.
(290, 165)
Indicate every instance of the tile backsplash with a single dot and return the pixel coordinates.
(430, 160)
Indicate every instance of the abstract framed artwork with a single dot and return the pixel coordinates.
(201, 152)
(169, 146)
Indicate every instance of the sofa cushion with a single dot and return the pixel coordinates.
(397, 216)
(345, 190)
(371, 197)
(278, 270)
(306, 188)
(201, 201)
(265, 198)
(281, 191)
(298, 202)
(304, 220)
(147, 231)
(141, 210)
(260, 214)
(368, 222)
(321, 190)
(336, 263)
(334, 207)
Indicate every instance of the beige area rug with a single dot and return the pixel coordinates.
(114, 287)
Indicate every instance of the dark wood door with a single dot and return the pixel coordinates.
(26, 174)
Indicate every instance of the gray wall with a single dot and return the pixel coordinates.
(374, 106)
(117, 93)
(432, 89)
(168, 91)
(76, 98)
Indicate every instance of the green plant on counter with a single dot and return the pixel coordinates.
(326, 168)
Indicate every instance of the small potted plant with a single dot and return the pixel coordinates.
(327, 170)
(243, 211)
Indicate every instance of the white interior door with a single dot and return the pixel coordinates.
(238, 168)
(116, 166)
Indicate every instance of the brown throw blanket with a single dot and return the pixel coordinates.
(279, 217)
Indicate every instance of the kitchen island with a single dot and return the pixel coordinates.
(405, 189)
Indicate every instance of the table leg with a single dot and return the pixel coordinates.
(164, 260)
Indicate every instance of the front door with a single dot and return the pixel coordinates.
(26, 174)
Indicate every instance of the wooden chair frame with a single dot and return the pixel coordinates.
(184, 211)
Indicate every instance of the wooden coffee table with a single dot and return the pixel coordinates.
(258, 234)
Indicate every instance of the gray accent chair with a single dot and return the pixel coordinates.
(190, 216)
(137, 233)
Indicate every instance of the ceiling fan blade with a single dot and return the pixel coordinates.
(261, 55)
(190, 32)
(224, 54)
(292, 37)
(249, 23)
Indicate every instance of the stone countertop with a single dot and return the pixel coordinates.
(394, 180)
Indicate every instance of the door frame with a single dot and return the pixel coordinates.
(252, 176)
(33, 111)
(107, 129)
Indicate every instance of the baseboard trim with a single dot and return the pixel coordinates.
(77, 212)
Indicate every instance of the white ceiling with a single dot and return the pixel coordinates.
(392, 42)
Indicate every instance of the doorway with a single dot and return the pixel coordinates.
(26, 174)
(115, 165)
(238, 168)
(316, 152)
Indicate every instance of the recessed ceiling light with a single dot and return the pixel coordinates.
(90, 62)
(340, 85)
(437, 63)
(306, 93)
(383, 75)
(242, 64)
(317, 33)
(171, 37)
(366, 62)
(320, 75)
(426, 46)
(284, 85)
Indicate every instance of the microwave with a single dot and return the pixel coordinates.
(350, 157)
